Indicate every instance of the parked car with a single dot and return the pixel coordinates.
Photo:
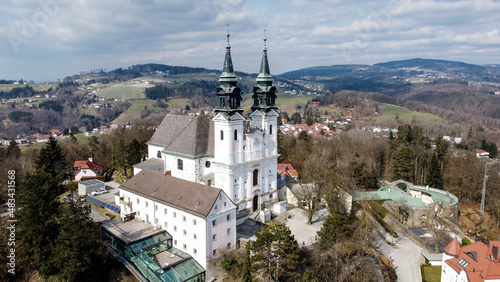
(99, 191)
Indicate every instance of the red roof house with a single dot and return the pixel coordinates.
(476, 262)
(88, 168)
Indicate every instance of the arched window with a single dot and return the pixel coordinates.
(270, 129)
(180, 164)
(158, 154)
(255, 177)
(235, 135)
(221, 135)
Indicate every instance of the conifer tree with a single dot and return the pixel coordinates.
(276, 252)
(79, 253)
(247, 266)
(52, 160)
(39, 226)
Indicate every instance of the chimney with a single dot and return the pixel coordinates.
(168, 172)
(208, 182)
(495, 252)
(487, 241)
(478, 237)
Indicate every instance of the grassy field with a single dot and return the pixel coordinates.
(124, 91)
(431, 273)
(36, 87)
(177, 102)
(136, 106)
(403, 113)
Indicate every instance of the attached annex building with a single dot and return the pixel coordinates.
(202, 169)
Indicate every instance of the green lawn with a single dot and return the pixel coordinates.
(431, 273)
(124, 91)
(136, 106)
(404, 114)
(36, 87)
(177, 102)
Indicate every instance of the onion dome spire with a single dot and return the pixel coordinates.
(264, 76)
(228, 93)
(264, 93)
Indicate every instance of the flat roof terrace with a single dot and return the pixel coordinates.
(415, 195)
(132, 231)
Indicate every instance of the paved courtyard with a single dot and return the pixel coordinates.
(304, 233)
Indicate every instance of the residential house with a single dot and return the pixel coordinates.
(43, 138)
(55, 132)
(478, 261)
(88, 168)
(481, 153)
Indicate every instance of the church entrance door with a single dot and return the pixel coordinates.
(255, 202)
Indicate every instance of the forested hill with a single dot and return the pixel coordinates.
(435, 65)
(155, 70)
(404, 68)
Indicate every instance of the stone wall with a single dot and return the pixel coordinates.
(401, 229)
(421, 216)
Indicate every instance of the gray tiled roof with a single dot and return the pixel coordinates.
(187, 135)
(193, 198)
(153, 164)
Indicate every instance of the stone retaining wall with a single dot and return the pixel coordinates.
(400, 228)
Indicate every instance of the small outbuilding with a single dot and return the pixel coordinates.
(86, 187)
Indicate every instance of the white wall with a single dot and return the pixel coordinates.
(153, 150)
(189, 167)
(189, 232)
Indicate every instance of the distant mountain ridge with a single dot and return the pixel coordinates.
(432, 64)
(396, 68)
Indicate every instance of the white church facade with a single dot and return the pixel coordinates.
(227, 151)
(203, 169)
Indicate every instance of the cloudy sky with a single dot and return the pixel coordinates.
(51, 39)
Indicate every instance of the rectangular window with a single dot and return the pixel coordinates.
(214, 223)
(147, 217)
(165, 224)
(156, 207)
(184, 246)
(194, 222)
(195, 236)
(184, 218)
(194, 251)
(184, 231)
(214, 252)
(214, 237)
(137, 200)
(228, 217)
(165, 211)
(156, 220)
(175, 214)
(175, 228)
(146, 204)
(175, 242)
(229, 231)
(229, 245)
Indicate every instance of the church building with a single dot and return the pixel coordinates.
(228, 151)
(202, 170)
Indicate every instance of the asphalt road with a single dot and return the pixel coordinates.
(406, 256)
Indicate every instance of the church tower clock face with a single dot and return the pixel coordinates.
(256, 142)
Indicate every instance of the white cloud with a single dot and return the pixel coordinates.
(79, 35)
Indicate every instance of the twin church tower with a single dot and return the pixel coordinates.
(246, 159)
(229, 151)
